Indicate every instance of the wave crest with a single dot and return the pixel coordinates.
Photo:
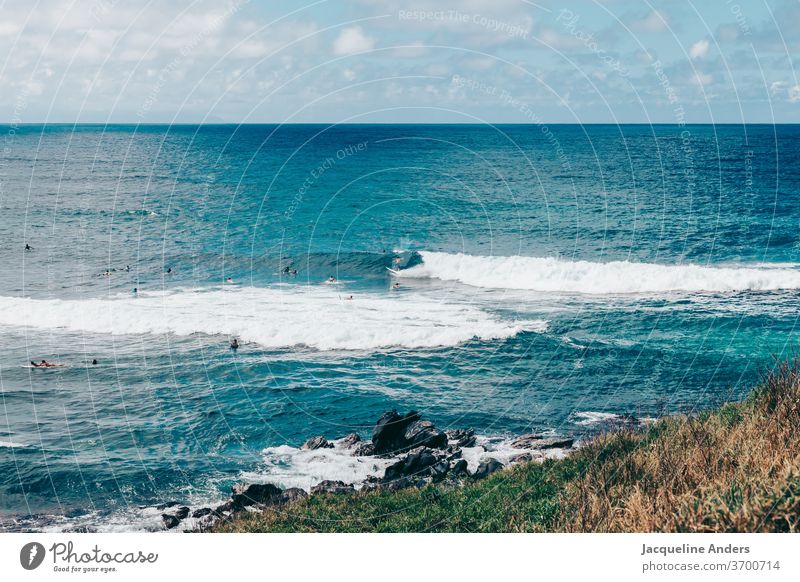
(272, 317)
(556, 275)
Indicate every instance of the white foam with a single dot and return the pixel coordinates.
(275, 317)
(291, 467)
(590, 417)
(10, 445)
(500, 449)
(554, 275)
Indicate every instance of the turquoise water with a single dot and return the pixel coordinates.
(548, 276)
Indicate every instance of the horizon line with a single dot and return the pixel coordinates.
(333, 123)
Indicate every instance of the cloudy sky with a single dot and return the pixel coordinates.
(726, 61)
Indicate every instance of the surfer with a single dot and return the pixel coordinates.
(331, 280)
(46, 364)
(28, 247)
(396, 286)
(234, 344)
(229, 281)
(169, 271)
(135, 291)
(94, 362)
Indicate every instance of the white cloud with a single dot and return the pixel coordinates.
(794, 94)
(655, 21)
(699, 49)
(702, 79)
(776, 87)
(352, 40)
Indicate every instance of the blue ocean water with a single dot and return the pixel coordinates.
(548, 277)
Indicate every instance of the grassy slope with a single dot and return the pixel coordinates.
(733, 469)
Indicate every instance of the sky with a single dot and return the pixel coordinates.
(390, 61)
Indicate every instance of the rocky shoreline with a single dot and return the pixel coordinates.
(413, 453)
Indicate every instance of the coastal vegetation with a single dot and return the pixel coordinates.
(732, 469)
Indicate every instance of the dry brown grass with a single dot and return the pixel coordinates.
(736, 469)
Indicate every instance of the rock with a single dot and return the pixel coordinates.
(537, 441)
(526, 441)
(486, 468)
(395, 484)
(245, 494)
(388, 436)
(226, 507)
(416, 463)
(332, 487)
(459, 468)
(182, 513)
(439, 470)
(167, 505)
(316, 442)
(350, 441)
(363, 449)
(169, 521)
(292, 494)
(423, 433)
(202, 512)
(462, 437)
(554, 443)
(523, 458)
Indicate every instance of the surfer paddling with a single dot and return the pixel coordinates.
(46, 364)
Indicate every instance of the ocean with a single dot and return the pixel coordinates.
(546, 278)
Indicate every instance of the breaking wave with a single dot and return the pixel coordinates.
(278, 317)
(556, 275)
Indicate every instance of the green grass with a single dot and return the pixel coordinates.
(733, 469)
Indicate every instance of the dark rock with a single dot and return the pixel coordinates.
(395, 484)
(292, 494)
(459, 468)
(167, 505)
(526, 441)
(316, 442)
(462, 437)
(226, 507)
(202, 512)
(245, 494)
(554, 443)
(363, 449)
(422, 433)
(388, 436)
(332, 487)
(538, 441)
(523, 458)
(415, 463)
(350, 441)
(439, 470)
(486, 468)
(169, 521)
(182, 513)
